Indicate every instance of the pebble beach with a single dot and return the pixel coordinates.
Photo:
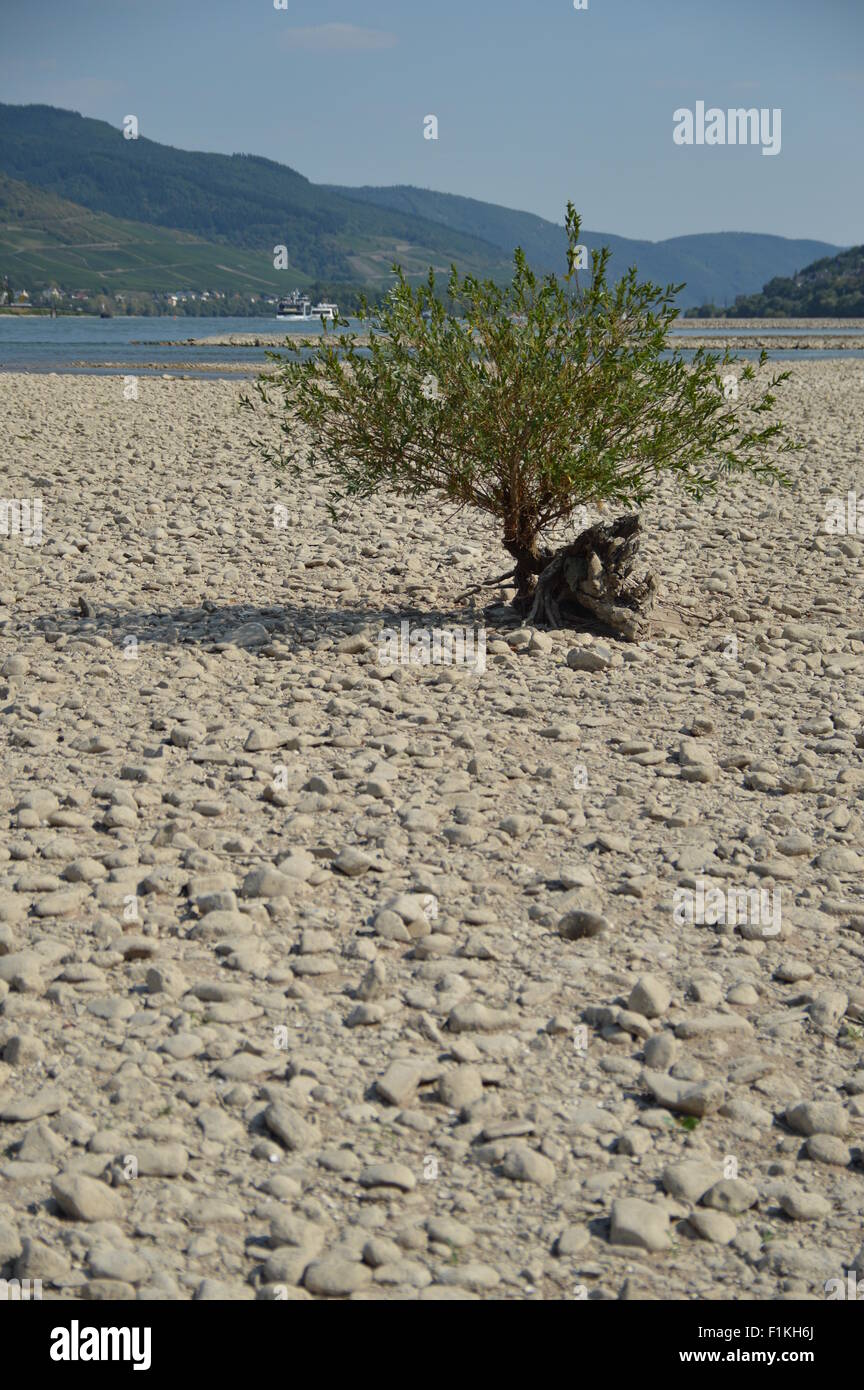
(322, 977)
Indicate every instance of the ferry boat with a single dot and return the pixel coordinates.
(294, 306)
(325, 310)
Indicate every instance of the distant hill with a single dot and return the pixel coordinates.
(239, 200)
(714, 265)
(832, 287)
(172, 215)
(47, 240)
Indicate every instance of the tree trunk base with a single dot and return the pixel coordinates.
(595, 573)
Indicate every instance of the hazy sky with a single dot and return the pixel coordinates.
(536, 102)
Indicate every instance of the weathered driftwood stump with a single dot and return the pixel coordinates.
(596, 573)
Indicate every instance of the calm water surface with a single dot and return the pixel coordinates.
(82, 344)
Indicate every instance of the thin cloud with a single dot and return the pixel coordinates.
(333, 38)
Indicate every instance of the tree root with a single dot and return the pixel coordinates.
(595, 572)
(485, 584)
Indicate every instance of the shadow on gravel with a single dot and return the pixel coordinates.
(256, 626)
(251, 626)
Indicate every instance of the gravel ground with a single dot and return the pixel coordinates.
(321, 977)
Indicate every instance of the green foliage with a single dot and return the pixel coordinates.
(688, 1122)
(538, 398)
(46, 240)
(704, 311)
(832, 287)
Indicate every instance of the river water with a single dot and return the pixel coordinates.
(85, 344)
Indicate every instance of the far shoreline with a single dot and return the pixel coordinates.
(709, 325)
